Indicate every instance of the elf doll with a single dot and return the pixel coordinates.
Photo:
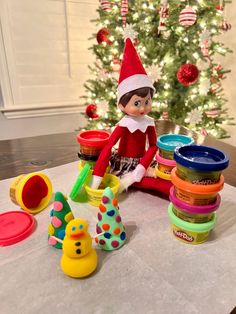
(131, 160)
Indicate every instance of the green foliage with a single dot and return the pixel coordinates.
(168, 49)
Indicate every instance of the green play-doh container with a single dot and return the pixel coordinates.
(190, 233)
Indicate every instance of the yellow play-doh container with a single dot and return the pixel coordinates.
(188, 232)
(164, 167)
(162, 175)
(195, 194)
(82, 163)
(32, 192)
(95, 195)
(194, 218)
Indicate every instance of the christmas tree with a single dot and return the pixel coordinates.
(178, 44)
(109, 223)
(60, 215)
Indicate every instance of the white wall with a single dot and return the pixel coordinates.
(25, 127)
(229, 62)
(45, 57)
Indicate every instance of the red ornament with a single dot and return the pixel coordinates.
(219, 8)
(91, 111)
(102, 36)
(187, 74)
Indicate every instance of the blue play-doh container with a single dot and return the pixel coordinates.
(200, 164)
(167, 143)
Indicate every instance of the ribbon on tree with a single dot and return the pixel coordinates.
(124, 11)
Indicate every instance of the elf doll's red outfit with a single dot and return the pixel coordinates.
(132, 158)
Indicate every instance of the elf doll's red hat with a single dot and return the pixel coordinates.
(132, 72)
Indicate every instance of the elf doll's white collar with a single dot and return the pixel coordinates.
(136, 123)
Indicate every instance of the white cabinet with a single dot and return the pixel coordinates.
(44, 55)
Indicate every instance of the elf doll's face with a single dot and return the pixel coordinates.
(138, 106)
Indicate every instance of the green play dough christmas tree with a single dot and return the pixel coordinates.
(60, 216)
(109, 222)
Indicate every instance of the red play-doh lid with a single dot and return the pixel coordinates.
(94, 138)
(15, 226)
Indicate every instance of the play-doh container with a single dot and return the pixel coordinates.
(165, 165)
(200, 164)
(195, 194)
(167, 143)
(92, 141)
(162, 175)
(86, 159)
(188, 232)
(95, 195)
(191, 213)
(32, 192)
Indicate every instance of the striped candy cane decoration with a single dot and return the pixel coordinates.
(105, 5)
(225, 26)
(204, 132)
(165, 115)
(124, 11)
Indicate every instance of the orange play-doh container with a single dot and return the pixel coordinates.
(194, 194)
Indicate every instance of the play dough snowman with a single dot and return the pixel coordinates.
(109, 223)
(79, 259)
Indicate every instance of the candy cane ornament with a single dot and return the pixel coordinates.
(105, 5)
(124, 11)
(164, 13)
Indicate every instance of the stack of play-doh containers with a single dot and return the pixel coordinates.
(91, 143)
(194, 197)
(166, 144)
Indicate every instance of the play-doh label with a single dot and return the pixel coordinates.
(183, 235)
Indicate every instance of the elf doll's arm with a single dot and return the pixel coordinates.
(104, 157)
(150, 153)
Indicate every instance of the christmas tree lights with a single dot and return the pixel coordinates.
(169, 35)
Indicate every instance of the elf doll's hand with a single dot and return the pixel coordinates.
(138, 173)
(96, 180)
(134, 176)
